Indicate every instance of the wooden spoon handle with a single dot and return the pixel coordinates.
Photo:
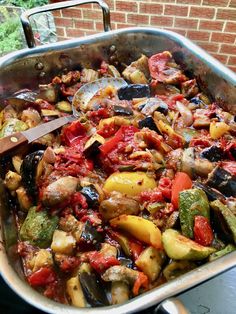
(12, 141)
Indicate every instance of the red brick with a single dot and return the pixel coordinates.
(232, 68)
(176, 10)
(61, 38)
(216, 3)
(57, 13)
(177, 30)
(161, 21)
(223, 38)
(74, 32)
(221, 58)
(87, 33)
(99, 26)
(188, 1)
(137, 19)
(198, 35)
(110, 3)
(60, 31)
(151, 8)
(92, 15)
(230, 49)
(211, 25)
(226, 14)
(210, 47)
(232, 4)
(120, 25)
(59, 21)
(232, 61)
(126, 6)
(72, 12)
(83, 24)
(186, 23)
(166, 1)
(118, 17)
(206, 13)
(230, 27)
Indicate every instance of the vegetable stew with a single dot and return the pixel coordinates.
(138, 190)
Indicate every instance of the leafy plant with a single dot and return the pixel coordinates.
(27, 4)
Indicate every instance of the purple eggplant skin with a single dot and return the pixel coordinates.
(133, 91)
(92, 289)
(122, 111)
(223, 181)
(213, 153)
(90, 235)
(29, 172)
(148, 122)
(212, 194)
(91, 195)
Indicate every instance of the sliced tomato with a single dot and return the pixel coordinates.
(164, 186)
(42, 277)
(141, 281)
(73, 133)
(181, 182)
(157, 64)
(203, 233)
(135, 248)
(100, 262)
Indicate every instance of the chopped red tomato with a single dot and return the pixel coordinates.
(42, 277)
(108, 130)
(100, 262)
(164, 186)
(151, 196)
(97, 115)
(104, 67)
(142, 280)
(203, 233)
(181, 182)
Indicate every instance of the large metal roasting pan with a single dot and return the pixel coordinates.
(29, 67)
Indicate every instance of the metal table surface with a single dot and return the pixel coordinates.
(217, 296)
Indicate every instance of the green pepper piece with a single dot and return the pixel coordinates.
(228, 216)
(191, 203)
(228, 249)
(38, 228)
(12, 125)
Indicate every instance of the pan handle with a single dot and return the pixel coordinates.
(171, 306)
(57, 6)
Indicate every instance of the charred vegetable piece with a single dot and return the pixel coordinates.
(150, 262)
(122, 111)
(91, 235)
(212, 194)
(176, 269)
(74, 290)
(91, 147)
(192, 202)
(38, 228)
(224, 213)
(134, 91)
(31, 169)
(223, 181)
(148, 122)
(92, 289)
(179, 247)
(91, 195)
(228, 249)
(153, 104)
(213, 153)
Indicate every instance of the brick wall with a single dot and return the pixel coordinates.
(209, 23)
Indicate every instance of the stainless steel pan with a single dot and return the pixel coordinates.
(29, 67)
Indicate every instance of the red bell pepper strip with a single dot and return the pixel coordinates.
(135, 248)
(42, 277)
(203, 233)
(142, 280)
(73, 133)
(181, 182)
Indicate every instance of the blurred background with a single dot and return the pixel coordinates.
(209, 23)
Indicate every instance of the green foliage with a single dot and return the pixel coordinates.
(10, 36)
(28, 4)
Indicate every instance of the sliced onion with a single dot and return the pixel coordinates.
(185, 113)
